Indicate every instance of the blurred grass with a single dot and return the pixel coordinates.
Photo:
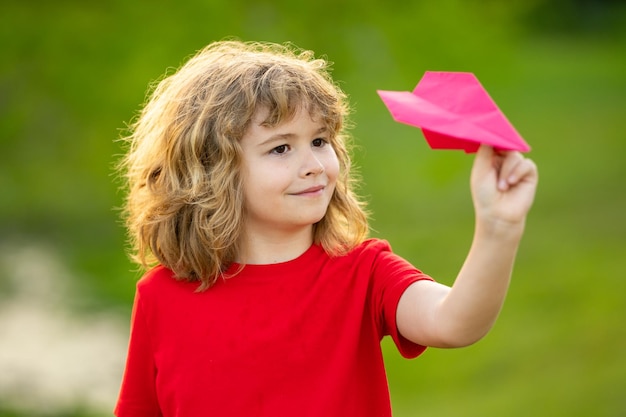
(72, 73)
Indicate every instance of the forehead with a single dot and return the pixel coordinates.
(264, 117)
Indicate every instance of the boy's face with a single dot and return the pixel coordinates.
(289, 174)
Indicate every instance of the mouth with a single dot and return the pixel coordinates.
(311, 191)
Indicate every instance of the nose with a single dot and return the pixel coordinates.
(312, 165)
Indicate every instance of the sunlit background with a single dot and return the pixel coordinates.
(73, 73)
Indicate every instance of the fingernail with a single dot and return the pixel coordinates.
(503, 185)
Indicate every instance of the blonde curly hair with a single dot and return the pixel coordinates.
(184, 205)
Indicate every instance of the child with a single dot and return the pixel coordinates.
(265, 297)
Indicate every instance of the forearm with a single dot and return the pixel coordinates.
(473, 303)
(431, 314)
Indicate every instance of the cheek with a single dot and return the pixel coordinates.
(332, 166)
(261, 178)
(251, 183)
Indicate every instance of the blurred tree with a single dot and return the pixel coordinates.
(572, 17)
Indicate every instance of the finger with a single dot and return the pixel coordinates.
(514, 170)
(508, 162)
(483, 161)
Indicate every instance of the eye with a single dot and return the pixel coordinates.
(279, 150)
(319, 142)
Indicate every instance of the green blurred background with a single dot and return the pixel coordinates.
(72, 73)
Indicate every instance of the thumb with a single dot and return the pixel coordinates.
(483, 163)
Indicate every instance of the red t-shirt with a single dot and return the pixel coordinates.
(299, 338)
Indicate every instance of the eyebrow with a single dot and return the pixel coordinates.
(287, 136)
(277, 138)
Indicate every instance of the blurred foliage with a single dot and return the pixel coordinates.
(72, 73)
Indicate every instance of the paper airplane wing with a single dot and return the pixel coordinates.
(454, 112)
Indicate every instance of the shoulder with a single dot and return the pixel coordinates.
(160, 279)
(370, 252)
(364, 256)
(378, 256)
(159, 292)
(159, 275)
(370, 247)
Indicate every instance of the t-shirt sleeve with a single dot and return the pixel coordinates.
(392, 275)
(138, 391)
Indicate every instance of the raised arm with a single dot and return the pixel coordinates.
(503, 188)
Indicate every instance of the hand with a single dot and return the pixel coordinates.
(503, 186)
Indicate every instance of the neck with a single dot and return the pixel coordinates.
(276, 247)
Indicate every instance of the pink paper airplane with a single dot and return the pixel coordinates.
(454, 111)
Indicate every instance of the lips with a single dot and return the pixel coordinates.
(311, 190)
